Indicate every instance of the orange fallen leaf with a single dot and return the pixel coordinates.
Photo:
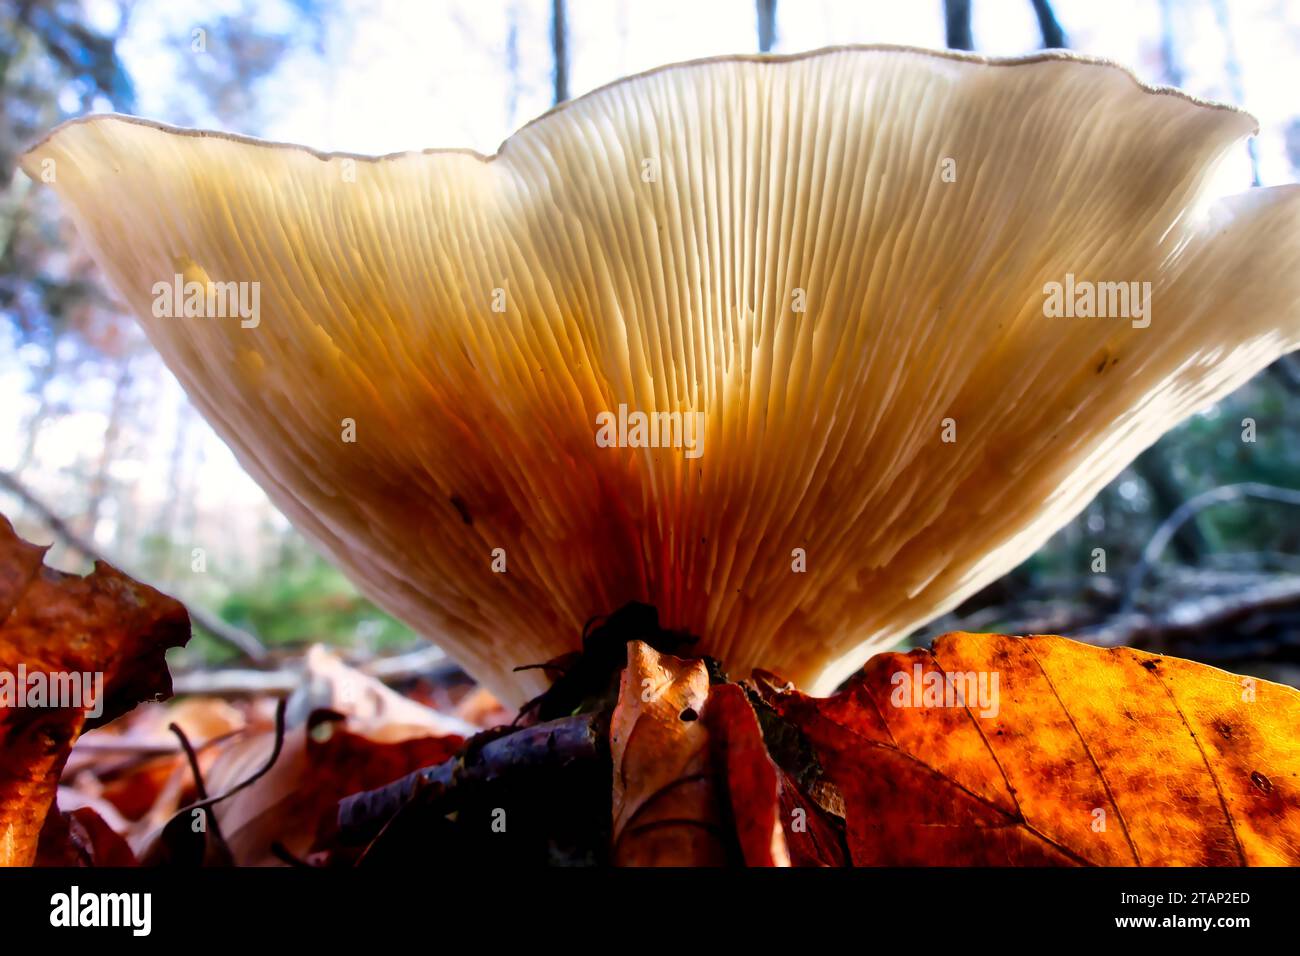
(55, 624)
(751, 780)
(994, 750)
(666, 808)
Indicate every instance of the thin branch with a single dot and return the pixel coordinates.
(1183, 626)
(192, 756)
(1184, 513)
(225, 633)
(430, 662)
(1167, 494)
(551, 744)
(207, 803)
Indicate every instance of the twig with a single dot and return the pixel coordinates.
(282, 853)
(428, 662)
(201, 789)
(219, 629)
(208, 802)
(1185, 512)
(1187, 620)
(551, 744)
(421, 662)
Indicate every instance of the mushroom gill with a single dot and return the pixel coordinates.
(839, 260)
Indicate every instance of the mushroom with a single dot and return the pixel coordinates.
(859, 269)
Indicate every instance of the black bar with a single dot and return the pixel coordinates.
(297, 906)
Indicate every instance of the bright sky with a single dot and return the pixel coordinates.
(410, 74)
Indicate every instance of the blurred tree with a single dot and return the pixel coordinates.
(1049, 26)
(766, 25)
(53, 64)
(957, 28)
(74, 340)
(560, 50)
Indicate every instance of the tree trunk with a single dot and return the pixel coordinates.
(99, 481)
(956, 15)
(560, 50)
(1049, 26)
(766, 25)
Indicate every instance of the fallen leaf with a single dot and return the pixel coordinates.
(752, 780)
(360, 735)
(81, 837)
(145, 732)
(375, 709)
(51, 624)
(69, 799)
(811, 838)
(480, 708)
(666, 809)
(136, 763)
(294, 806)
(1064, 754)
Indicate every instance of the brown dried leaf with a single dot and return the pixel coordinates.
(50, 622)
(353, 734)
(666, 804)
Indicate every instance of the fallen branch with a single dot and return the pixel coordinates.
(225, 633)
(1187, 622)
(554, 744)
(429, 662)
(1184, 513)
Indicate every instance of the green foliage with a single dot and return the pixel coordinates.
(308, 601)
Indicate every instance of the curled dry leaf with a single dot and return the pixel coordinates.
(994, 750)
(666, 809)
(59, 624)
(691, 792)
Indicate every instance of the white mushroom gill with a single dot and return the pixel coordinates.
(838, 259)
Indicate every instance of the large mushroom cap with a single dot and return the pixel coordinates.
(828, 256)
